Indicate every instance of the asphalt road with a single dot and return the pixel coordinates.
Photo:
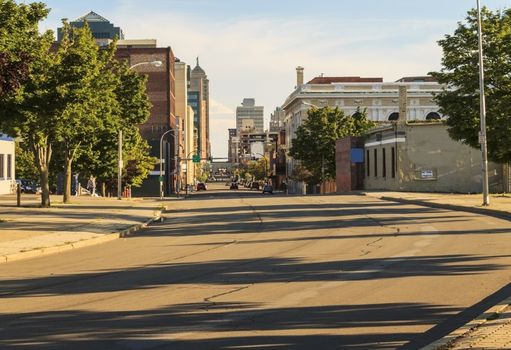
(242, 270)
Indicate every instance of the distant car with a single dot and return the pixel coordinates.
(28, 186)
(268, 189)
(234, 186)
(254, 186)
(201, 186)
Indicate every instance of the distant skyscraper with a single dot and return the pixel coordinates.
(102, 30)
(199, 90)
(250, 116)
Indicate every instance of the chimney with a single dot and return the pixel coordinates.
(402, 104)
(299, 76)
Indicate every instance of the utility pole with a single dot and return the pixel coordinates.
(119, 168)
(482, 105)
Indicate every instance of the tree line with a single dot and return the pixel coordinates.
(67, 102)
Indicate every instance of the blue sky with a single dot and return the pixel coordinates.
(250, 48)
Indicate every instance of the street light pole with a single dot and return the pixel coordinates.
(161, 161)
(482, 105)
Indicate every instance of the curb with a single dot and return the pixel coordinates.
(489, 212)
(83, 243)
(449, 340)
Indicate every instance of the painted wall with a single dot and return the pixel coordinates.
(425, 159)
(7, 171)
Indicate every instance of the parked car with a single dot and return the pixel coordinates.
(28, 186)
(201, 186)
(234, 186)
(268, 189)
(254, 186)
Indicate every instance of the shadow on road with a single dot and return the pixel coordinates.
(139, 329)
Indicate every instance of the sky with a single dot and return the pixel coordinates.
(250, 48)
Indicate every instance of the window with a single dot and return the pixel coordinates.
(9, 166)
(393, 116)
(2, 172)
(383, 164)
(368, 164)
(433, 116)
(375, 162)
(393, 162)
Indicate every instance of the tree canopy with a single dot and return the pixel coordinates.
(460, 73)
(19, 40)
(314, 144)
(74, 101)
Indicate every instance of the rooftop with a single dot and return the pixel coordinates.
(91, 17)
(330, 80)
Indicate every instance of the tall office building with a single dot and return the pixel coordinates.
(250, 117)
(102, 30)
(198, 97)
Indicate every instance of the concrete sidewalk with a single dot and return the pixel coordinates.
(492, 329)
(29, 231)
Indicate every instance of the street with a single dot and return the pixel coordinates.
(242, 270)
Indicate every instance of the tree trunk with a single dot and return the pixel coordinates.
(42, 155)
(103, 189)
(67, 179)
(45, 188)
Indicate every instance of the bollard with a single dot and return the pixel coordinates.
(18, 195)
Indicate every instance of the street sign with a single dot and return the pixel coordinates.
(482, 137)
(196, 158)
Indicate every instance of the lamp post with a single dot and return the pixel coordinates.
(120, 163)
(482, 106)
(161, 161)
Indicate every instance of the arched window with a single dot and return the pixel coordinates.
(433, 116)
(394, 116)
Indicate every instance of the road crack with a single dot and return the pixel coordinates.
(232, 291)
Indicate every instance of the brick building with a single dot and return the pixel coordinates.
(161, 91)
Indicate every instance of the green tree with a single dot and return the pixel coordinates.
(28, 113)
(259, 168)
(125, 111)
(314, 144)
(85, 95)
(460, 73)
(138, 161)
(25, 163)
(19, 39)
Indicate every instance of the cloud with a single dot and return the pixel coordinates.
(217, 108)
(247, 56)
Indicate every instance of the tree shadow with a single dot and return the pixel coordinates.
(248, 271)
(223, 326)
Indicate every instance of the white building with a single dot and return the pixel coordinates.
(7, 175)
(380, 99)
